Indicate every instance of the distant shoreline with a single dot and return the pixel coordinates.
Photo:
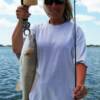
(5, 45)
(93, 45)
(86, 45)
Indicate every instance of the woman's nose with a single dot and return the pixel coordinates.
(53, 4)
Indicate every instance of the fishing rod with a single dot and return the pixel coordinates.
(75, 37)
(75, 40)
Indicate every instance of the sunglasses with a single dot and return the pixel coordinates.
(50, 2)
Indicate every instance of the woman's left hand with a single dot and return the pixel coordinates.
(80, 92)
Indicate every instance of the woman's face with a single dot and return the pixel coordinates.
(54, 8)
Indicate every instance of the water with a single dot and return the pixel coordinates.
(93, 75)
(9, 74)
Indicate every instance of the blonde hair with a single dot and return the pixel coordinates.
(68, 15)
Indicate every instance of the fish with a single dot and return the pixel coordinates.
(28, 62)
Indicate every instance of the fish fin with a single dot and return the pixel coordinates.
(18, 86)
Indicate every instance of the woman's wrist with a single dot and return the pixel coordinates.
(22, 22)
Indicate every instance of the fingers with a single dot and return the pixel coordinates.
(80, 92)
(22, 12)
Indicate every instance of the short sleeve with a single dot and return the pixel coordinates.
(33, 29)
(80, 47)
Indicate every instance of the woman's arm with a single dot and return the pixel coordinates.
(80, 89)
(81, 69)
(80, 74)
(17, 37)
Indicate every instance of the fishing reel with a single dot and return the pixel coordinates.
(25, 21)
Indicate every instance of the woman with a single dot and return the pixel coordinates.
(56, 53)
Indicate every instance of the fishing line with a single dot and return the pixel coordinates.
(75, 40)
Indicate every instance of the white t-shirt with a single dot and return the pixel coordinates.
(55, 78)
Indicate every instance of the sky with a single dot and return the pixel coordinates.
(87, 17)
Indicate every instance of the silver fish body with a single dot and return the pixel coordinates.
(28, 61)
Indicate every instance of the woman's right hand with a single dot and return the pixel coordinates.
(22, 12)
